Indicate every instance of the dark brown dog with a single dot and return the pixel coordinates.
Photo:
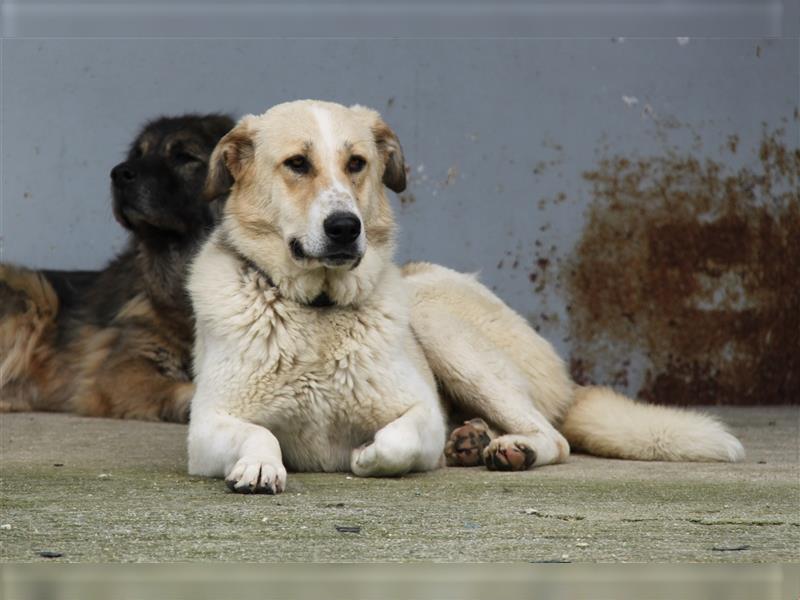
(118, 342)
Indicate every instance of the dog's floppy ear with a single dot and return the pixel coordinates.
(229, 160)
(394, 173)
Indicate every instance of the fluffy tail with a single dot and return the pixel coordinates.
(605, 423)
(28, 309)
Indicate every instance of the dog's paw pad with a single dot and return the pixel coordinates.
(508, 454)
(253, 476)
(466, 444)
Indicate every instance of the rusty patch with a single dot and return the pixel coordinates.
(450, 177)
(407, 198)
(733, 143)
(697, 267)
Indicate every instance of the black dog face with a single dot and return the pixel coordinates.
(157, 191)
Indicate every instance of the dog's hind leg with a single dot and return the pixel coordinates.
(481, 381)
(135, 390)
(491, 365)
(116, 378)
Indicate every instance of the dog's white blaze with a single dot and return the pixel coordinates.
(335, 198)
(325, 125)
(327, 202)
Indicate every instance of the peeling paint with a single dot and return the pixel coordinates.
(733, 143)
(407, 198)
(452, 174)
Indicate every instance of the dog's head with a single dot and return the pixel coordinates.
(306, 191)
(157, 190)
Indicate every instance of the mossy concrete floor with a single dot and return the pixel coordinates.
(103, 490)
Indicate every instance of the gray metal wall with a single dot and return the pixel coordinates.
(497, 132)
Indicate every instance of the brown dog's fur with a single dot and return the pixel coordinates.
(117, 343)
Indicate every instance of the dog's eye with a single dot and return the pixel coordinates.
(356, 164)
(138, 152)
(299, 164)
(184, 157)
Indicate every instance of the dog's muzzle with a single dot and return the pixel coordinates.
(342, 231)
(123, 181)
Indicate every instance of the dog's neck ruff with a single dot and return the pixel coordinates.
(320, 301)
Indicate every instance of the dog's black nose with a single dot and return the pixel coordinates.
(342, 227)
(123, 173)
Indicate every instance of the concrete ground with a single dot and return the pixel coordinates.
(103, 490)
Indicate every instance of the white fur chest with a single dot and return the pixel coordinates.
(320, 379)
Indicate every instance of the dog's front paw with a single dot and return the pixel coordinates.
(380, 459)
(251, 475)
(509, 453)
(465, 446)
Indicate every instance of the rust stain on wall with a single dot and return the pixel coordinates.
(696, 267)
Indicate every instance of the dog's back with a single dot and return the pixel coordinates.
(29, 307)
(43, 316)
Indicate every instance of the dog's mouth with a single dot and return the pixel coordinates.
(340, 259)
(133, 217)
(348, 256)
(124, 215)
(137, 219)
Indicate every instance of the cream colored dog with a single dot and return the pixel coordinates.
(316, 353)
